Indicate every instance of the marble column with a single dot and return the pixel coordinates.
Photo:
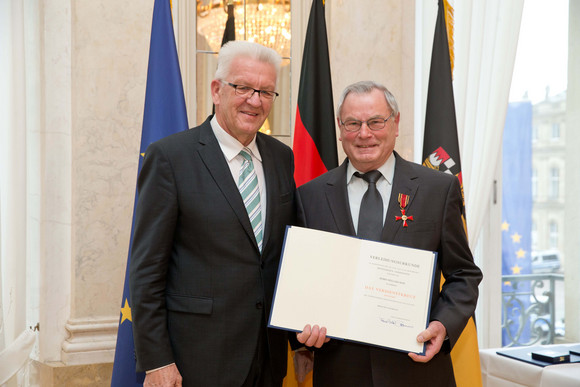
(94, 67)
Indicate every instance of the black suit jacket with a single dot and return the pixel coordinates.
(200, 289)
(436, 206)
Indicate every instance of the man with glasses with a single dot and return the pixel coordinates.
(376, 194)
(214, 202)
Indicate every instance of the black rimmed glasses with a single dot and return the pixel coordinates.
(375, 123)
(248, 92)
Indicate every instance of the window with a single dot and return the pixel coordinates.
(556, 131)
(553, 235)
(535, 184)
(548, 315)
(554, 183)
(534, 235)
(250, 20)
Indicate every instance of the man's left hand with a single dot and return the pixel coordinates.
(434, 336)
(313, 337)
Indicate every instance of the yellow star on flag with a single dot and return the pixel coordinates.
(143, 154)
(516, 237)
(507, 283)
(126, 312)
(516, 269)
(521, 253)
(505, 226)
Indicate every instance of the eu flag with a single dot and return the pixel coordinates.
(164, 114)
(516, 217)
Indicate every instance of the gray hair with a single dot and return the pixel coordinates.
(240, 48)
(365, 87)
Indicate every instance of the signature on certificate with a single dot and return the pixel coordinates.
(398, 323)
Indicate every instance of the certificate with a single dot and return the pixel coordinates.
(362, 291)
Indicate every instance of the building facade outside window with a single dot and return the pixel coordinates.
(554, 183)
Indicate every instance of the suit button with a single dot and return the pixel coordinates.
(259, 305)
(262, 265)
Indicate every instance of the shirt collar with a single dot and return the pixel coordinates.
(387, 170)
(229, 145)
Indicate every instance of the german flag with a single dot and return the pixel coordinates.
(314, 143)
(315, 134)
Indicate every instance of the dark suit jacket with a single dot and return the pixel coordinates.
(436, 206)
(200, 289)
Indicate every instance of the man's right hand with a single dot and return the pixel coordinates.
(313, 337)
(164, 377)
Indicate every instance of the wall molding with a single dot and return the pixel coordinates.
(90, 341)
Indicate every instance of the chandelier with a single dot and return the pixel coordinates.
(262, 21)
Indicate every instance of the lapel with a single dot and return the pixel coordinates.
(271, 176)
(337, 196)
(404, 182)
(214, 160)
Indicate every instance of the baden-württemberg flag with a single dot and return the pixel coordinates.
(441, 151)
(164, 114)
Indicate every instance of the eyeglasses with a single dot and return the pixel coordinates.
(248, 92)
(375, 123)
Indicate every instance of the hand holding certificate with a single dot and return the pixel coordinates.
(363, 291)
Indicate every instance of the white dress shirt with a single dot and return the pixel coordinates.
(357, 187)
(231, 148)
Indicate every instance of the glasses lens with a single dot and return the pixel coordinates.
(352, 126)
(267, 94)
(376, 124)
(244, 91)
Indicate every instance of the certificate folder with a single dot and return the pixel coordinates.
(575, 350)
(552, 356)
(361, 291)
(525, 354)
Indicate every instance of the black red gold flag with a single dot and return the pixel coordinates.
(314, 142)
(314, 133)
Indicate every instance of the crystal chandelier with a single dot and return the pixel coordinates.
(266, 22)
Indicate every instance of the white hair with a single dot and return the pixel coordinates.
(240, 48)
(365, 87)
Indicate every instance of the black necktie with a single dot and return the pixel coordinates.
(370, 219)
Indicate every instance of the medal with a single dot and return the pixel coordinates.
(403, 201)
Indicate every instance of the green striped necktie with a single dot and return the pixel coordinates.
(250, 191)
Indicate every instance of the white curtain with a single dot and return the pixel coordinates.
(16, 340)
(486, 37)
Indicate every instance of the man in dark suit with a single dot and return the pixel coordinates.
(421, 208)
(213, 205)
